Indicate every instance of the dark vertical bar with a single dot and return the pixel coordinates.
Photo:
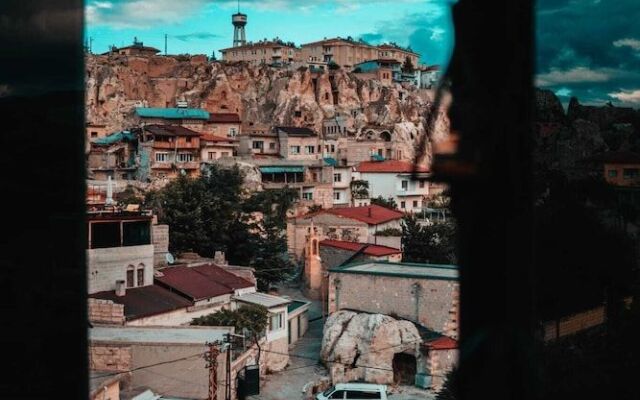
(491, 78)
(42, 266)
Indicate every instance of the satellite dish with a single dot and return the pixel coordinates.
(169, 258)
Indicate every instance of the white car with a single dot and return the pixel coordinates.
(354, 391)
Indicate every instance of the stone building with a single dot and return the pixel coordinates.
(191, 118)
(265, 52)
(169, 150)
(352, 224)
(223, 124)
(113, 156)
(426, 294)
(385, 70)
(119, 249)
(402, 181)
(213, 147)
(136, 49)
(298, 143)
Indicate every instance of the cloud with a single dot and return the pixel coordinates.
(140, 13)
(196, 35)
(627, 96)
(574, 75)
(628, 42)
(563, 92)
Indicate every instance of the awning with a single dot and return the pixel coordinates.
(377, 157)
(281, 169)
(330, 161)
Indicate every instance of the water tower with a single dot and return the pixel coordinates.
(239, 21)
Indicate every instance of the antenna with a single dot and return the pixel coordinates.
(165, 44)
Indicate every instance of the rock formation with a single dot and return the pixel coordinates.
(361, 346)
(116, 84)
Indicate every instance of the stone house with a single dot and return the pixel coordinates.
(426, 294)
(136, 49)
(298, 143)
(119, 248)
(215, 147)
(297, 320)
(258, 142)
(168, 150)
(617, 168)
(352, 224)
(395, 179)
(191, 118)
(113, 156)
(270, 52)
(384, 70)
(223, 125)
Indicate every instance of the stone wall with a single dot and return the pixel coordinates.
(575, 323)
(160, 235)
(105, 312)
(436, 306)
(439, 363)
(106, 266)
(110, 357)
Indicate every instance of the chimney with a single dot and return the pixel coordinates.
(219, 258)
(120, 288)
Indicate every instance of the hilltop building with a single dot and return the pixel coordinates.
(265, 52)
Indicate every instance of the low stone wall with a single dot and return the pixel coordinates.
(109, 357)
(105, 312)
(573, 324)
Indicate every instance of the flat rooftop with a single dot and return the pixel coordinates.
(144, 335)
(263, 299)
(402, 270)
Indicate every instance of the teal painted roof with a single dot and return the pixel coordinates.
(295, 305)
(330, 161)
(172, 113)
(116, 137)
(402, 270)
(276, 170)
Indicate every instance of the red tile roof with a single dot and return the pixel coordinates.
(145, 301)
(389, 166)
(201, 282)
(214, 138)
(370, 249)
(230, 118)
(442, 343)
(372, 215)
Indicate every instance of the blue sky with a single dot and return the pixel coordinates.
(585, 48)
(199, 26)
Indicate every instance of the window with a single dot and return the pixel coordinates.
(333, 148)
(272, 145)
(188, 138)
(380, 152)
(212, 155)
(185, 157)
(140, 273)
(257, 144)
(232, 132)
(415, 204)
(337, 177)
(336, 195)
(307, 196)
(94, 134)
(224, 154)
(276, 322)
(613, 173)
(405, 185)
(421, 183)
(319, 148)
(310, 149)
(294, 149)
(403, 204)
(352, 394)
(338, 394)
(130, 282)
(162, 157)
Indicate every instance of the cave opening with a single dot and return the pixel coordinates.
(404, 369)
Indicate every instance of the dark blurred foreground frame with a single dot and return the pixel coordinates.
(43, 283)
(491, 84)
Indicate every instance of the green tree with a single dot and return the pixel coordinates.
(449, 390)
(388, 203)
(332, 65)
(408, 66)
(359, 189)
(249, 319)
(129, 196)
(434, 243)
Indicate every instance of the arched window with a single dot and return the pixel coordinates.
(130, 276)
(140, 275)
(386, 136)
(314, 244)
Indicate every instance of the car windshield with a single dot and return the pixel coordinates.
(328, 391)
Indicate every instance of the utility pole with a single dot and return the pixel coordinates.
(165, 44)
(212, 364)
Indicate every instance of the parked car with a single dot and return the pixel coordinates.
(354, 391)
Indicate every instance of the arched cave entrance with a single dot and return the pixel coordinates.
(404, 369)
(385, 135)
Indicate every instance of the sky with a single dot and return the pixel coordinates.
(199, 26)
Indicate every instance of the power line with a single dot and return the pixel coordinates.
(148, 366)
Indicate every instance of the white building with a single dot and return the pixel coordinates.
(395, 179)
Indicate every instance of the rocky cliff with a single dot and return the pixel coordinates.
(262, 95)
